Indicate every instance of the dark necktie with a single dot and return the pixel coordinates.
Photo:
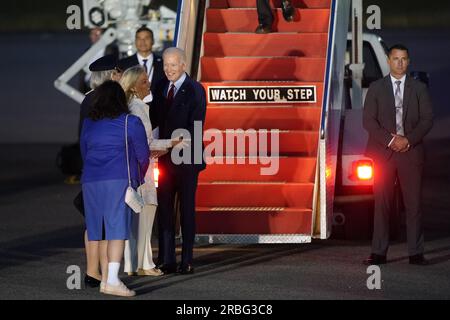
(144, 63)
(170, 95)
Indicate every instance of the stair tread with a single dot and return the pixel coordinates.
(232, 208)
(286, 158)
(283, 117)
(273, 9)
(301, 69)
(246, 20)
(268, 34)
(291, 169)
(265, 57)
(273, 3)
(264, 45)
(284, 131)
(289, 184)
(245, 220)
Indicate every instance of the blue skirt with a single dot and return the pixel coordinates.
(108, 217)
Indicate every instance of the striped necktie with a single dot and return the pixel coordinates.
(399, 109)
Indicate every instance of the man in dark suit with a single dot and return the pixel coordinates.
(144, 56)
(265, 16)
(397, 115)
(179, 103)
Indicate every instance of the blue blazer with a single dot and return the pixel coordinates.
(102, 146)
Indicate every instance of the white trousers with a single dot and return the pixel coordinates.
(138, 248)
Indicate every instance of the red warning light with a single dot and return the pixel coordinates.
(363, 170)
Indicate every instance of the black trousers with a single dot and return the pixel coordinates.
(183, 182)
(409, 174)
(265, 16)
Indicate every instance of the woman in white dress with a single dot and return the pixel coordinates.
(138, 250)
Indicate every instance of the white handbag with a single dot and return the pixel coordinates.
(132, 197)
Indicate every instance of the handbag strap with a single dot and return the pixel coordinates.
(126, 147)
(128, 160)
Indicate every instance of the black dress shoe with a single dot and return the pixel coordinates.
(263, 29)
(186, 269)
(375, 259)
(91, 282)
(419, 260)
(288, 10)
(168, 268)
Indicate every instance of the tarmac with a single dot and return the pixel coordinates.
(41, 236)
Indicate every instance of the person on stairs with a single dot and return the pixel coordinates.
(265, 16)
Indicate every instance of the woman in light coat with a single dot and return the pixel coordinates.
(138, 250)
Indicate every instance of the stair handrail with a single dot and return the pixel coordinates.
(333, 90)
(189, 29)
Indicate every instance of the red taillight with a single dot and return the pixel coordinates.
(363, 170)
(156, 174)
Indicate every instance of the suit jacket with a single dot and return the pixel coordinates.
(379, 117)
(85, 108)
(158, 70)
(189, 105)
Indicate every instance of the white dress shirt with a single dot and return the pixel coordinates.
(148, 64)
(402, 84)
(402, 90)
(177, 84)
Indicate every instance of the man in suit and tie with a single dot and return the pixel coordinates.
(179, 103)
(397, 115)
(144, 56)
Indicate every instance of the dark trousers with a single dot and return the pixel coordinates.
(265, 16)
(183, 182)
(410, 178)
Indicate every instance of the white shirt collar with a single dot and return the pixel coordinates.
(394, 80)
(149, 64)
(179, 82)
(141, 58)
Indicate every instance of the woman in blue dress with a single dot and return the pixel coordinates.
(105, 177)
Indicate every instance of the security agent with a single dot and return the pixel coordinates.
(145, 57)
(397, 116)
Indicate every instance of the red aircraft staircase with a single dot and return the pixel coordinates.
(234, 201)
